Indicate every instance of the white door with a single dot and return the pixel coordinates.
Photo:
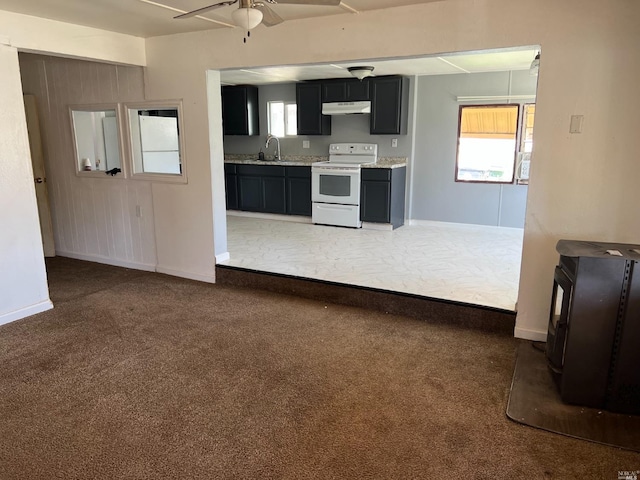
(39, 175)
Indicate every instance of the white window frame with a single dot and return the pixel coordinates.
(156, 105)
(121, 141)
(515, 150)
(286, 123)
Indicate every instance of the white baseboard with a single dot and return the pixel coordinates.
(377, 226)
(535, 335)
(435, 223)
(147, 267)
(190, 275)
(269, 216)
(26, 312)
(223, 257)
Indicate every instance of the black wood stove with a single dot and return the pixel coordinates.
(593, 341)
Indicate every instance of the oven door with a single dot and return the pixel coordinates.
(340, 185)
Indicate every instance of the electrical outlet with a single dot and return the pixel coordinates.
(305, 144)
(394, 142)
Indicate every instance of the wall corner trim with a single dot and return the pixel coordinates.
(527, 334)
(25, 312)
(223, 257)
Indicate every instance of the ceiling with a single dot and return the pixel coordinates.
(470, 62)
(149, 18)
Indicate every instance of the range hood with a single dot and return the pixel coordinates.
(344, 108)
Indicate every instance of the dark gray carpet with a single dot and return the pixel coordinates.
(144, 376)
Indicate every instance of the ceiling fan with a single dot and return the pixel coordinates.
(253, 12)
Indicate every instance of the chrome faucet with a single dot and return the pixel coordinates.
(266, 145)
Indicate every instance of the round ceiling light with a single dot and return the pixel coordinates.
(360, 72)
(247, 18)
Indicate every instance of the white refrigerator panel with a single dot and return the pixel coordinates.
(161, 162)
(159, 134)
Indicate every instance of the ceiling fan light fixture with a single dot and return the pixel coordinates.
(247, 18)
(535, 65)
(360, 72)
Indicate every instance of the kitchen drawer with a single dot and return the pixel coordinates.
(376, 174)
(230, 168)
(261, 170)
(299, 172)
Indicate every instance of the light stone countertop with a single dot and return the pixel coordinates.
(307, 160)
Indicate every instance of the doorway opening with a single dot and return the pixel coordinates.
(462, 240)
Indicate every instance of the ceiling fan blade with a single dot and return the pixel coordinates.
(307, 2)
(269, 17)
(202, 10)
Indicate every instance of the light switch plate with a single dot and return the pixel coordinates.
(305, 144)
(576, 123)
(394, 142)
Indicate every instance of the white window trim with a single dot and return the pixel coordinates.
(285, 103)
(99, 107)
(156, 105)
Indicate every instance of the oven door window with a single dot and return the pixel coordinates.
(335, 185)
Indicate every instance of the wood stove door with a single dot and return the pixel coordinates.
(558, 319)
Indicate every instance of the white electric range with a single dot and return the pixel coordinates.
(335, 185)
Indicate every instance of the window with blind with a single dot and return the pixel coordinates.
(487, 140)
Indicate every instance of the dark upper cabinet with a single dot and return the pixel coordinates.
(349, 90)
(240, 110)
(309, 107)
(388, 109)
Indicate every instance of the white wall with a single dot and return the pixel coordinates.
(93, 218)
(582, 186)
(40, 35)
(23, 279)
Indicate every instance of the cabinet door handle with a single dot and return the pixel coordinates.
(40, 180)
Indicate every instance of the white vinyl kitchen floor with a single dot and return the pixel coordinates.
(466, 263)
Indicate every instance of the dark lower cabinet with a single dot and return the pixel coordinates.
(376, 201)
(268, 189)
(382, 195)
(287, 190)
(250, 193)
(261, 188)
(274, 194)
(231, 186)
(299, 191)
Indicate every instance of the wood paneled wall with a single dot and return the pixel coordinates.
(93, 218)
